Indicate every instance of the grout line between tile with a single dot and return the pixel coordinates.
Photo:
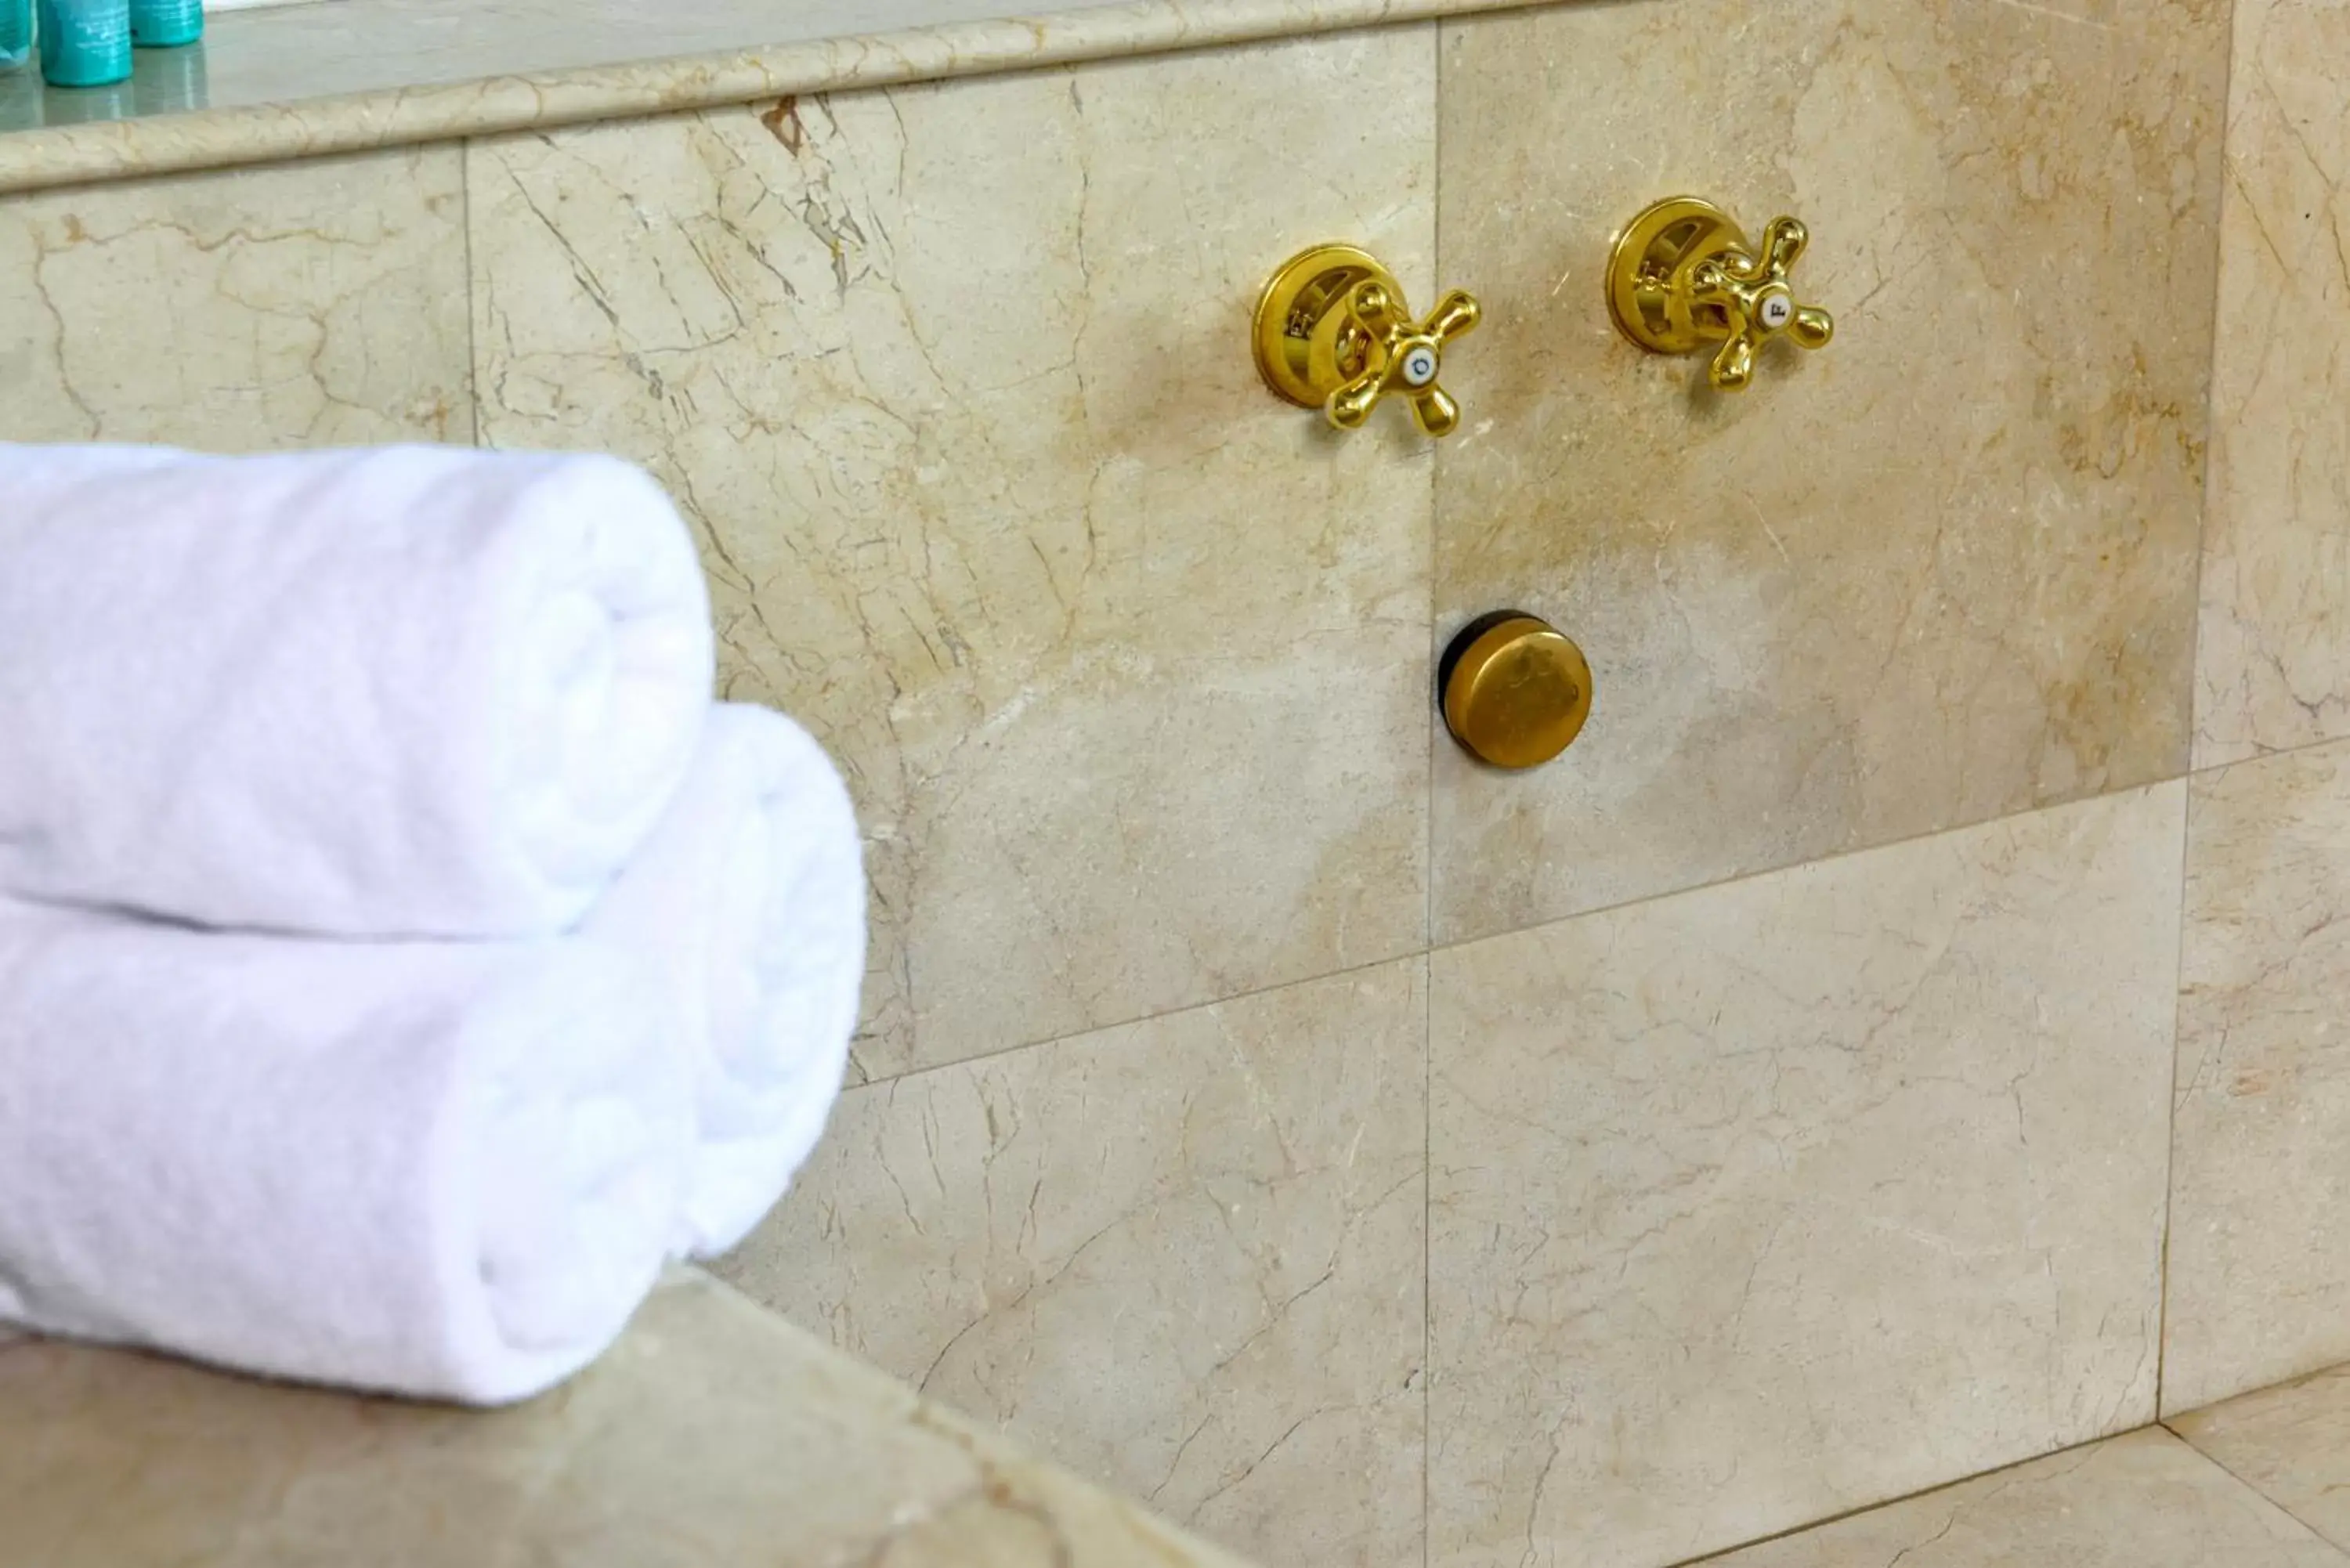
(1830, 858)
(464, 150)
(2163, 1426)
(1718, 1553)
(2316, 1534)
(1427, 1251)
(2170, 1106)
(2265, 755)
(1433, 948)
(2211, 395)
(2194, 715)
(908, 1075)
(1428, 875)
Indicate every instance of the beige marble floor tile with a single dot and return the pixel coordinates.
(312, 305)
(1939, 572)
(2272, 670)
(2145, 1500)
(1127, 660)
(712, 1437)
(1767, 1202)
(2260, 1232)
(1182, 1257)
(2292, 1443)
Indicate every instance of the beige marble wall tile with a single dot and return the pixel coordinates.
(2260, 1243)
(1126, 659)
(316, 304)
(1766, 1202)
(1939, 572)
(2145, 1500)
(1183, 1257)
(712, 1437)
(2290, 1442)
(2272, 670)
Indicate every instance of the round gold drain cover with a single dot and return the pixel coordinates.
(1515, 689)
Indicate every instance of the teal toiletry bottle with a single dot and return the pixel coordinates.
(85, 43)
(166, 24)
(15, 33)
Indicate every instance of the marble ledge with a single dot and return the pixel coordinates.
(714, 1434)
(314, 80)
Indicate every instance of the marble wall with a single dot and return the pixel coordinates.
(1187, 1253)
(2259, 1249)
(2261, 1187)
(321, 304)
(1762, 1112)
(2273, 669)
(1755, 1204)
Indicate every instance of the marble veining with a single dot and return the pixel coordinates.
(1183, 1258)
(2260, 1236)
(316, 305)
(1126, 661)
(713, 1434)
(1766, 1202)
(2273, 667)
(1942, 571)
(362, 74)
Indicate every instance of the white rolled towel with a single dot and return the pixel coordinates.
(410, 691)
(751, 894)
(448, 1171)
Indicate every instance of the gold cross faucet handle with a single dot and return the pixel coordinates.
(1683, 277)
(1757, 301)
(1402, 356)
(1333, 333)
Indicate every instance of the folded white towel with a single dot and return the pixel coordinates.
(752, 892)
(404, 691)
(444, 1169)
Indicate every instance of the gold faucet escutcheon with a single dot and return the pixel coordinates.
(1333, 332)
(1683, 277)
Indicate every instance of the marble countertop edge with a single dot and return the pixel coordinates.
(713, 1433)
(51, 156)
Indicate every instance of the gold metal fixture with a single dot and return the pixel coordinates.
(1515, 691)
(1682, 275)
(1333, 333)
